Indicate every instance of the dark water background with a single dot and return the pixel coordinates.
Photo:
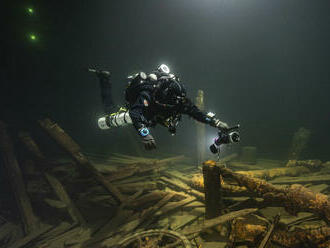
(263, 64)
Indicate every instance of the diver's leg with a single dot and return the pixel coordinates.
(106, 92)
(113, 117)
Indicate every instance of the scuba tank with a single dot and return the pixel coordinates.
(119, 119)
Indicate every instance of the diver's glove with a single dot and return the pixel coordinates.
(147, 139)
(149, 142)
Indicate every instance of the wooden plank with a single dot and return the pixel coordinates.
(148, 216)
(64, 197)
(31, 145)
(302, 180)
(132, 187)
(171, 159)
(198, 184)
(269, 233)
(6, 229)
(294, 198)
(137, 168)
(184, 187)
(63, 227)
(69, 145)
(15, 178)
(156, 207)
(31, 237)
(177, 175)
(56, 185)
(111, 227)
(277, 172)
(171, 206)
(147, 198)
(216, 221)
(187, 221)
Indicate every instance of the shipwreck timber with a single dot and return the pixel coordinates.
(139, 201)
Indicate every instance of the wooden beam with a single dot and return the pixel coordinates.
(15, 178)
(269, 233)
(268, 174)
(295, 198)
(184, 187)
(319, 179)
(153, 196)
(56, 185)
(69, 145)
(31, 237)
(31, 145)
(64, 197)
(216, 221)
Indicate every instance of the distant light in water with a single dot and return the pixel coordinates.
(32, 37)
(30, 11)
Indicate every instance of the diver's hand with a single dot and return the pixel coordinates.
(219, 124)
(149, 142)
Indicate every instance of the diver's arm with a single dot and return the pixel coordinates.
(137, 109)
(140, 122)
(193, 111)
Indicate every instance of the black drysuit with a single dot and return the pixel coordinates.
(145, 112)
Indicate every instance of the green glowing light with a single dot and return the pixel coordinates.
(30, 11)
(33, 37)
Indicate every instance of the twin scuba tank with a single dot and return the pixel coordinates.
(137, 83)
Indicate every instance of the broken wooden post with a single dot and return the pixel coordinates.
(69, 145)
(211, 175)
(200, 130)
(15, 178)
(299, 143)
(249, 155)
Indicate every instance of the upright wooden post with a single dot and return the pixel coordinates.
(200, 129)
(299, 143)
(211, 174)
(15, 178)
(249, 155)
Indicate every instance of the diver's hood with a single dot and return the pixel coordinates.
(171, 92)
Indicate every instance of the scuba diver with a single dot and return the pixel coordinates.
(156, 98)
